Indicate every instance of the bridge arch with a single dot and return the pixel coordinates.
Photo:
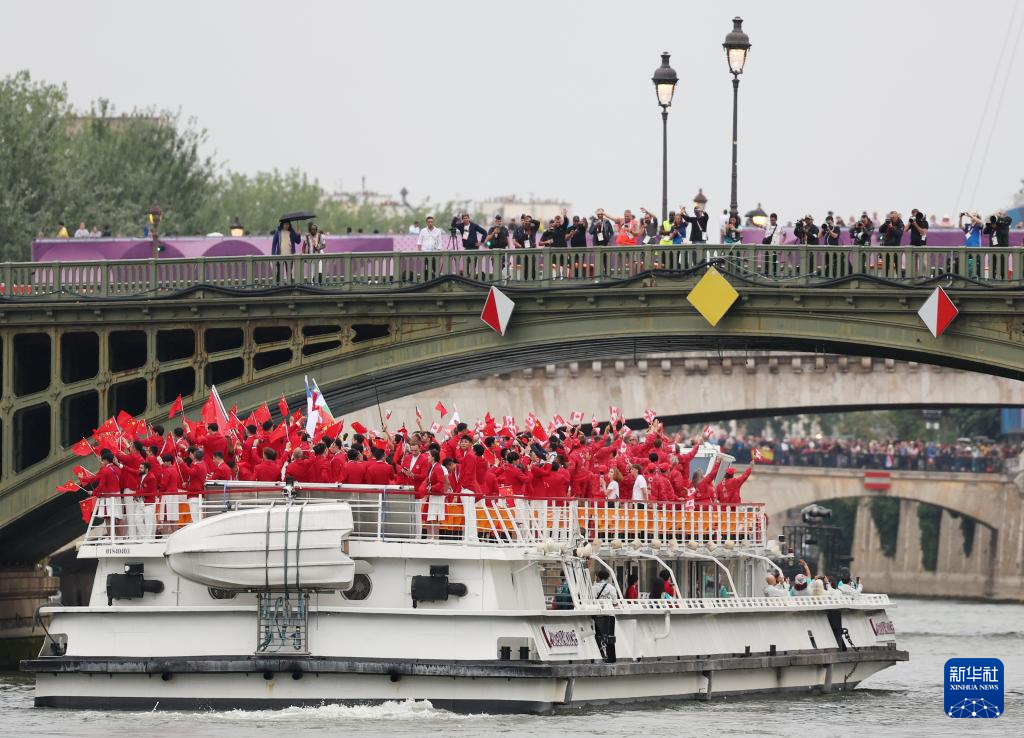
(788, 488)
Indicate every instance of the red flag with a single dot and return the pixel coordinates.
(650, 416)
(69, 486)
(168, 446)
(358, 427)
(126, 422)
(108, 443)
(80, 471)
(190, 427)
(575, 417)
(278, 434)
(506, 432)
(176, 407)
(296, 416)
(538, 432)
(441, 408)
(708, 431)
(109, 426)
(756, 454)
(381, 443)
(435, 428)
(87, 506)
(82, 448)
(333, 431)
(261, 414)
(558, 420)
(489, 428)
(282, 407)
(419, 415)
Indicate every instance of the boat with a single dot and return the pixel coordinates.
(290, 594)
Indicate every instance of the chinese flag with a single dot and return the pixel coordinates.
(358, 427)
(82, 448)
(69, 486)
(109, 426)
(441, 408)
(80, 471)
(282, 406)
(279, 434)
(261, 414)
(126, 422)
(539, 433)
(176, 407)
(332, 431)
(87, 506)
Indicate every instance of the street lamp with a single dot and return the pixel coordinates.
(155, 214)
(736, 46)
(664, 80)
(235, 228)
(700, 200)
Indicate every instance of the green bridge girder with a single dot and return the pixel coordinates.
(373, 338)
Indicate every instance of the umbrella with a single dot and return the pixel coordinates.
(297, 215)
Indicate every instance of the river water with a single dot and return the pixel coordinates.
(906, 700)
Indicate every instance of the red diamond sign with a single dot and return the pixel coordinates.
(497, 310)
(938, 312)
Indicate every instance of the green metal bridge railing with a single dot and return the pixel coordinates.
(794, 265)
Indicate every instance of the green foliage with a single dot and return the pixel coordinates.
(844, 517)
(108, 169)
(929, 521)
(885, 513)
(967, 527)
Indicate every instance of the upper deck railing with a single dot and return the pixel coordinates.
(757, 265)
(394, 514)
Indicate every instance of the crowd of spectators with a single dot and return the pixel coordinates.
(980, 456)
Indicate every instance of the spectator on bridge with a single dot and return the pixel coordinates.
(628, 229)
(82, 231)
(602, 229)
(806, 232)
(313, 243)
(62, 230)
(830, 232)
(285, 243)
(471, 235)
(698, 223)
(577, 232)
(775, 588)
(918, 226)
(497, 236)
(414, 229)
(772, 232)
(731, 234)
(525, 234)
(431, 237)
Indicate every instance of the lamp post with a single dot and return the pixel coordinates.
(235, 228)
(736, 46)
(664, 80)
(155, 214)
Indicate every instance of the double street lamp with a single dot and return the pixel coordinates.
(736, 46)
(664, 80)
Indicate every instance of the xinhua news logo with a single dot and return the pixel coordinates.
(974, 688)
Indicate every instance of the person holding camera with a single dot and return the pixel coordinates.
(806, 232)
(860, 234)
(834, 262)
(972, 238)
(497, 236)
(891, 233)
(998, 231)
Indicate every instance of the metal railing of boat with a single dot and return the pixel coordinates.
(394, 513)
(831, 600)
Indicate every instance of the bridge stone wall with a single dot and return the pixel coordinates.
(698, 385)
(995, 566)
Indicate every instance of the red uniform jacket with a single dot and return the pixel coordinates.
(434, 481)
(468, 473)
(729, 489)
(706, 486)
(214, 442)
(378, 472)
(355, 472)
(267, 471)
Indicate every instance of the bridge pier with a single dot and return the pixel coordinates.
(22, 590)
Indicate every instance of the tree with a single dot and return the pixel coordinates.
(34, 120)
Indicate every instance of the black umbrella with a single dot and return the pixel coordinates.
(297, 215)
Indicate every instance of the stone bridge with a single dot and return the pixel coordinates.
(684, 387)
(992, 568)
(82, 340)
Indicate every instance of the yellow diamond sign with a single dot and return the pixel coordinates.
(712, 296)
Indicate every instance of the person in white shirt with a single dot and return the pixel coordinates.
(639, 485)
(774, 588)
(772, 232)
(82, 231)
(611, 487)
(603, 589)
(430, 239)
(414, 229)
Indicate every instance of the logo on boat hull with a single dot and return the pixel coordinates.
(882, 627)
(560, 640)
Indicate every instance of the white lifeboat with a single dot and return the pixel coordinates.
(281, 546)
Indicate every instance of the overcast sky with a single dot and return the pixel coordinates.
(846, 106)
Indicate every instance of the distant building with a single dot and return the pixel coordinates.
(511, 207)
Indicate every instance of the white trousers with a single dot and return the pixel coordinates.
(539, 518)
(469, 515)
(195, 508)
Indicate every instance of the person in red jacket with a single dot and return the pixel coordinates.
(221, 471)
(147, 496)
(685, 459)
(213, 441)
(433, 489)
(298, 469)
(413, 467)
(106, 487)
(320, 464)
(379, 471)
(729, 488)
(469, 486)
(705, 487)
(169, 507)
(268, 470)
(355, 469)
